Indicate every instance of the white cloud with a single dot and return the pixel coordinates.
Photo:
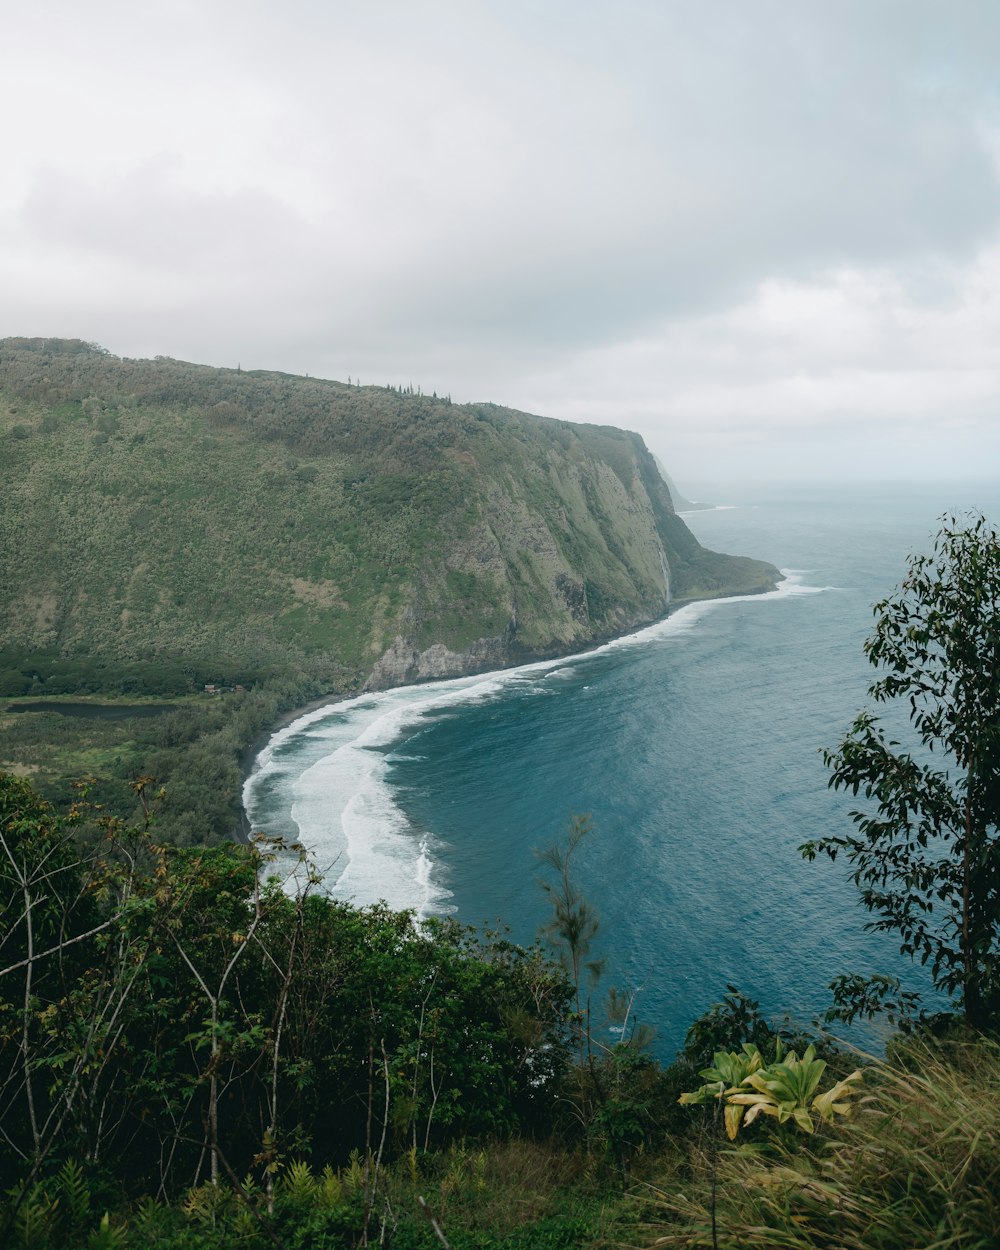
(843, 366)
(751, 224)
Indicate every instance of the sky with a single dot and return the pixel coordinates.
(763, 233)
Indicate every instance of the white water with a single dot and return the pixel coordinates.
(324, 779)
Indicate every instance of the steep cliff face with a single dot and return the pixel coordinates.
(255, 521)
(580, 545)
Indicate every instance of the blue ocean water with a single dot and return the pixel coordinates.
(694, 746)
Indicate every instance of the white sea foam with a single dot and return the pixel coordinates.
(330, 768)
(793, 584)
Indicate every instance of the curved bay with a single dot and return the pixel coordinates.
(695, 749)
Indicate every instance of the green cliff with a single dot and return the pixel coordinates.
(250, 522)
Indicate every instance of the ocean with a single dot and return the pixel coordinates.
(694, 746)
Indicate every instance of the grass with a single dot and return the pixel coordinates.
(917, 1168)
(59, 749)
(518, 1195)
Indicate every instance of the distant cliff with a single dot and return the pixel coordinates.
(681, 502)
(251, 522)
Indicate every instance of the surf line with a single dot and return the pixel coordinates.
(324, 778)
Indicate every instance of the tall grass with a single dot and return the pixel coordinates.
(916, 1168)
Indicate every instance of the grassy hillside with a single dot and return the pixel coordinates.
(245, 523)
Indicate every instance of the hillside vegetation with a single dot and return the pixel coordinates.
(193, 1058)
(196, 523)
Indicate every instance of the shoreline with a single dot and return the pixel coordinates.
(260, 740)
(248, 757)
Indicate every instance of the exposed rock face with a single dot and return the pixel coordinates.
(573, 553)
(402, 664)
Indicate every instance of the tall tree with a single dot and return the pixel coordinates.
(926, 851)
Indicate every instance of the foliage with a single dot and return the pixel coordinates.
(859, 997)
(918, 1165)
(927, 860)
(193, 1058)
(503, 1196)
(729, 1023)
(575, 921)
(195, 745)
(614, 1090)
(173, 1015)
(786, 1089)
(158, 517)
(729, 1071)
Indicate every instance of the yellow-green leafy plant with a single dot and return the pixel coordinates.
(789, 1090)
(786, 1089)
(725, 1077)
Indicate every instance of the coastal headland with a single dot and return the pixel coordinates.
(247, 543)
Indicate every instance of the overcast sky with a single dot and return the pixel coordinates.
(764, 233)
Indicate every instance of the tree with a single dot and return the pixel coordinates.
(172, 1016)
(574, 922)
(614, 1085)
(927, 859)
(70, 962)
